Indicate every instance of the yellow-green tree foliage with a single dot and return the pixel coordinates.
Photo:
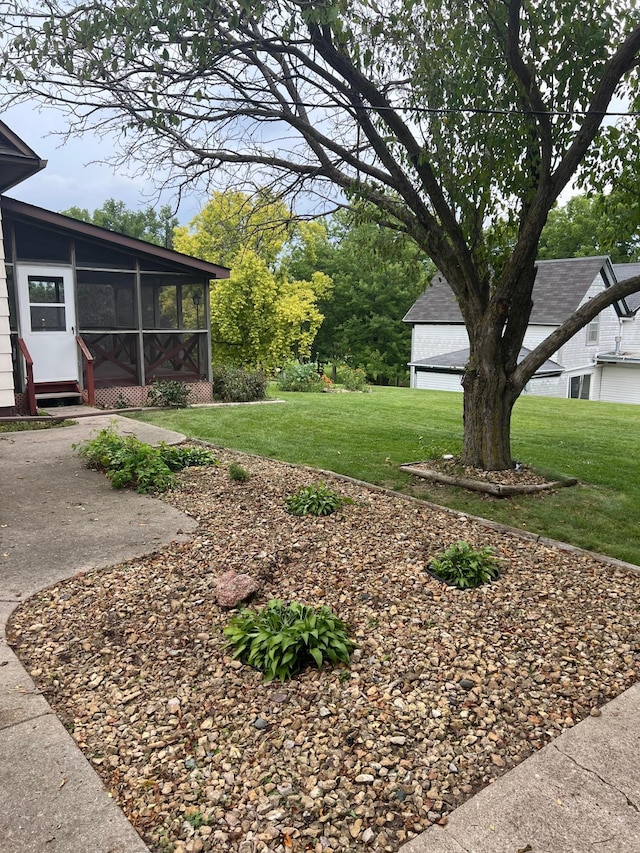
(232, 223)
(259, 316)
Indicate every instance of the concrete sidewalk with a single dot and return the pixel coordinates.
(58, 518)
(580, 794)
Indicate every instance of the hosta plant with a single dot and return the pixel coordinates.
(317, 499)
(127, 461)
(465, 567)
(282, 639)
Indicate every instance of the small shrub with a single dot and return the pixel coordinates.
(280, 640)
(300, 377)
(464, 567)
(314, 500)
(178, 458)
(168, 394)
(352, 380)
(127, 461)
(236, 385)
(238, 473)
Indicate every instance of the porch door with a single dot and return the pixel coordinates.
(47, 321)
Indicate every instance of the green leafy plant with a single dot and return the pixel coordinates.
(282, 639)
(168, 394)
(235, 385)
(127, 461)
(352, 379)
(465, 567)
(238, 473)
(317, 499)
(176, 458)
(122, 402)
(299, 377)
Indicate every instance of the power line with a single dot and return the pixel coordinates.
(489, 111)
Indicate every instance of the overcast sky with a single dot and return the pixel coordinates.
(71, 178)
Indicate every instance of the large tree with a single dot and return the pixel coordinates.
(154, 226)
(447, 116)
(261, 315)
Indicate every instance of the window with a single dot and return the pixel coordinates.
(46, 304)
(106, 300)
(592, 330)
(579, 387)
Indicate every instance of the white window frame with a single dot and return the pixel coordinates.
(593, 331)
(582, 385)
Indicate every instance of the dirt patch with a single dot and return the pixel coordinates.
(447, 689)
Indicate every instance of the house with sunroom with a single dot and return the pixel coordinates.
(89, 314)
(601, 362)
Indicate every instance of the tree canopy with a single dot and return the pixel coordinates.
(448, 117)
(593, 225)
(154, 226)
(235, 222)
(261, 315)
(377, 274)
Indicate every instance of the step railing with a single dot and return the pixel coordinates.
(88, 360)
(31, 388)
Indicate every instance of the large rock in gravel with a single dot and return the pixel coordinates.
(232, 588)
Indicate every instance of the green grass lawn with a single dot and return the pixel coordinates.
(367, 436)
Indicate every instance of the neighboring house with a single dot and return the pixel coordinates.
(601, 362)
(91, 314)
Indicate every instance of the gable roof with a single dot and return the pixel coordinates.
(623, 272)
(59, 222)
(17, 160)
(455, 362)
(560, 287)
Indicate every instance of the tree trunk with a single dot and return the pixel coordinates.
(488, 403)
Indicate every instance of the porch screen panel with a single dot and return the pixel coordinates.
(96, 254)
(159, 303)
(115, 357)
(40, 244)
(106, 300)
(193, 309)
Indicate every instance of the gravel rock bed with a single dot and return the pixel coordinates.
(446, 691)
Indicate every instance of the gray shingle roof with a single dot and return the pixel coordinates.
(624, 271)
(456, 361)
(559, 289)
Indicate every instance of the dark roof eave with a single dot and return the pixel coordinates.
(95, 232)
(25, 168)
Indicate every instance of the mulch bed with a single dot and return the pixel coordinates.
(447, 689)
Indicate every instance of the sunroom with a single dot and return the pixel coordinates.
(100, 314)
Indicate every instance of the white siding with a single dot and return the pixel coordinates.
(577, 357)
(549, 386)
(630, 333)
(7, 398)
(620, 383)
(432, 381)
(428, 340)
